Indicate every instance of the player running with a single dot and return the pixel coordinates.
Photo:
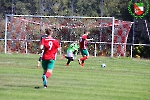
(83, 49)
(71, 53)
(50, 46)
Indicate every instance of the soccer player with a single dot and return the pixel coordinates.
(83, 42)
(50, 46)
(71, 52)
(40, 58)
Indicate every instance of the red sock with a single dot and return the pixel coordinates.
(82, 64)
(48, 74)
(83, 58)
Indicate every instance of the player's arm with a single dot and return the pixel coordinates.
(72, 45)
(76, 47)
(40, 58)
(41, 47)
(42, 52)
(85, 38)
(75, 53)
(89, 39)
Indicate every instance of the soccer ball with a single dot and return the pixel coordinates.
(103, 65)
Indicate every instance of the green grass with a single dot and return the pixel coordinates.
(122, 79)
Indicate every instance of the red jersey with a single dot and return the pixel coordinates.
(51, 46)
(83, 41)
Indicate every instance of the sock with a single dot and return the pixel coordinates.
(68, 61)
(48, 74)
(67, 57)
(82, 61)
(83, 58)
(82, 64)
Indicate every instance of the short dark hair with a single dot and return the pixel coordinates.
(48, 30)
(85, 30)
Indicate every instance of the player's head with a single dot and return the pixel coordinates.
(86, 31)
(49, 31)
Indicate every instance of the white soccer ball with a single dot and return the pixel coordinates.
(103, 65)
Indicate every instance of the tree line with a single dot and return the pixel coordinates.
(116, 8)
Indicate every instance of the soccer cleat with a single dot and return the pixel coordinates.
(67, 64)
(79, 61)
(44, 80)
(45, 86)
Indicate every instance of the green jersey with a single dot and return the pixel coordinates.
(73, 47)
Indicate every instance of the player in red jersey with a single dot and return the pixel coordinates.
(83, 42)
(50, 46)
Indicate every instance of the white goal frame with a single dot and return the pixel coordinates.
(39, 16)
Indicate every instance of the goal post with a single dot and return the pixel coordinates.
(5, 44)
(112, 42)
(22, 32)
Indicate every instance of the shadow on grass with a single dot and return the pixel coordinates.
(24, 86)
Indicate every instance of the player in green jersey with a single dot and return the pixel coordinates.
(71, 53)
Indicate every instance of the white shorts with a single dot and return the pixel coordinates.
(70, 54)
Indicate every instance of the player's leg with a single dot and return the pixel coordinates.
(69, 57)
(82, 64)
(63, 56)
(79, 59)
(85, 55)
(82, 53)
(50, 68)
(69, 60)
(47, 70)
(44, 66)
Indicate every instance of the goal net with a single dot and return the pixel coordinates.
(22, 33)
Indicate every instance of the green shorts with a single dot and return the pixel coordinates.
(84, 52)
(48, 64)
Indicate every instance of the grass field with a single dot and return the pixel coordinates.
(122, 79)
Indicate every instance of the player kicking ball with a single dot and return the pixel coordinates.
(71, 53)
(83, 49)
(50, 47)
